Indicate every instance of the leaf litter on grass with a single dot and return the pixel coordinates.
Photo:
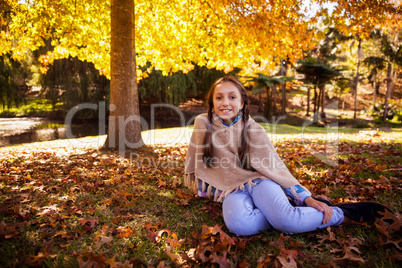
(67, 202)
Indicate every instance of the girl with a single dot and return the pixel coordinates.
(231, 159)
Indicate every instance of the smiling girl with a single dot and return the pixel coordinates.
(231, 159)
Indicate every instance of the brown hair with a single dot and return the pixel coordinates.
(244, 145)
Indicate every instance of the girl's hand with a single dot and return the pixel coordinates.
(320, 206)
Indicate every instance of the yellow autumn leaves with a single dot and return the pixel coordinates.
(174, 34)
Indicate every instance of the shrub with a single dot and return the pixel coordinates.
(394, 112)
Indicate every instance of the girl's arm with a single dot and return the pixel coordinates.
(297, 194)
(271, 166)
(302, 197)
(320, 206)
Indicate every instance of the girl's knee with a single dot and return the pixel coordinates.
(267, 186)
(237, 205)
(241, 217)
(285, 224)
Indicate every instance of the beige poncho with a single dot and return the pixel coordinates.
(226, 174)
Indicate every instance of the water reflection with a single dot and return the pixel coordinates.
(27, 130)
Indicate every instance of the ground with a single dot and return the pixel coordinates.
(66, 203)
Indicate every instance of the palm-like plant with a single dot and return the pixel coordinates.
(318, 74)
(391, 48)
(377, 64)
(261, 82)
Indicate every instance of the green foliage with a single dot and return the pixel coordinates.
(177, 87)
(342, 86)
(316, 71)
(375, 62)
(377, 65)
(327, 48)
(13, 86)
(172, 88)
(394, 111)
(72, 81)
(31, 107)
(391, 47)
(262, 81)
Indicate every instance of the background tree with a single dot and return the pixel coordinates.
(221, 34)
(318, 74)
(377, 65)
(7, 83)
(267, 83)
(355, 81)
(72, 82)
(176, 87)
(15, 78)
(283, 72)
(391, 48)
(357, 19)
(217, 34)
(124, 120)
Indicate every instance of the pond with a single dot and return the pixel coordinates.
(34, 129)
(26, 130)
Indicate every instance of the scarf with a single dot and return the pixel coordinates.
(226, 174)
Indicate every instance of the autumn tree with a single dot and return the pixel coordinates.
(377, 64)
(171, 35)
(221, 34)
(357, 19)
(391, 50)
(124, 119)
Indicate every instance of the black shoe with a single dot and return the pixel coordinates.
(363, 211)
(318, 199)
(324, 201)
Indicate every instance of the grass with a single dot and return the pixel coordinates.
(31, 107)
(66, 204)
(178, 135)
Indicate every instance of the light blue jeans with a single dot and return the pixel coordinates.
(265, 206)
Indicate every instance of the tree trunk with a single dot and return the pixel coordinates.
(315, 100)
(356, 79)
(317, 111)
(260, 103)
(319, 99)
(124, 129)
(323, 116)
(374, 91)
(387, 94)
(394, 77)
(283, 72)
(268, 105)
(274, 97)
(308, 101)
(395, 71)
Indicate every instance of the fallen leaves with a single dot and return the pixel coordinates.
(363, 169)
(349, 248)
(214, 246)
(97, 209)
(88, 225)
(100, 240)
(7, 231)
(38, 259)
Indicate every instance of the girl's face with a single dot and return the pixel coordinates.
(227, 101)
